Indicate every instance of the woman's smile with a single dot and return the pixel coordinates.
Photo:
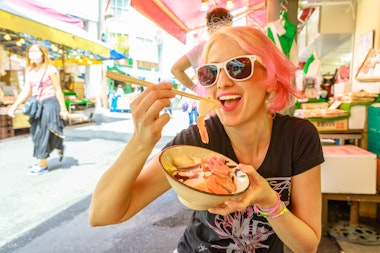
(229, 101)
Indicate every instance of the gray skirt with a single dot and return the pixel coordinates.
(47, 129)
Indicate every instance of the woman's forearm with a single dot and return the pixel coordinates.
(178, 70)
(24, 94)
(183, 78)
(295, 233)
(125, 188)
(112, 195)
(301, 229)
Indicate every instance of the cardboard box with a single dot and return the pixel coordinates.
(341, 88)
(6, 132)
(79, 89)
(348, 169)
(315, 105)
(330, 125)
(20, 121)
(358, 115)
(372, 87)
(10, 78)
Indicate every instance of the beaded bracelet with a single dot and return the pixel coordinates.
(267, 211)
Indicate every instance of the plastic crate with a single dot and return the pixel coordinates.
(374, 142)
(374, 118)
(374, 128)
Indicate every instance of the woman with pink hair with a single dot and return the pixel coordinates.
(281, 154)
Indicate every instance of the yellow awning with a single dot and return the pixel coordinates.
(81, 62)
(52, 30)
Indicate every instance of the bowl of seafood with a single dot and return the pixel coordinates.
(201, 177)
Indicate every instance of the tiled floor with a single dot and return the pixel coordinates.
(340, 212)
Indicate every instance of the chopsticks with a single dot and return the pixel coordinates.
(124, 78)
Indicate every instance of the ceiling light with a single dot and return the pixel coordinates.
(7, 37)
(230, 4)
(54, 48)
(204, 5)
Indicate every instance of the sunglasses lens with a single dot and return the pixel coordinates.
(207, 75)
(239, 68)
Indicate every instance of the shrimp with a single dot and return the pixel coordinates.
(205, 106)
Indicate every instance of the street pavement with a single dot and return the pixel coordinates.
(49, 212)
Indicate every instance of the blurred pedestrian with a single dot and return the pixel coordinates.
(215, 19)
(190, 106)
(46, 128)
(119, 91)
(193, 112)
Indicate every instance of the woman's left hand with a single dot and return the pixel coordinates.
(259, 192)
(64, 115)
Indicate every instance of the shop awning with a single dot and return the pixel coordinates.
(180, 17)
(22, 20)
(115, 55)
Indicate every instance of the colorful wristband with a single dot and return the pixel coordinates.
(268, 211)
(284, 211)
(266, 216)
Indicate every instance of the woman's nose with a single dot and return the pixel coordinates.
(224, 79)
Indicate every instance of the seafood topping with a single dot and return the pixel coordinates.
(212, 174)
(205, 106)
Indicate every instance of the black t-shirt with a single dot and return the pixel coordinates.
(294, 148)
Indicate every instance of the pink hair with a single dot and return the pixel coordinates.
(280, 70)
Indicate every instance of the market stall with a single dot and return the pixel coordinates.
(43, 23)
(24, 22)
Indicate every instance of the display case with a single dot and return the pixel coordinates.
(80, 110)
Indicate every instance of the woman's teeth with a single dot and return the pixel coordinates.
(228, 97)
(224, 99)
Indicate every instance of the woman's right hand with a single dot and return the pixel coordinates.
(146, 112)
(11, 111)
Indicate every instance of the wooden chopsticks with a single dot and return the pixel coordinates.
(124, 78)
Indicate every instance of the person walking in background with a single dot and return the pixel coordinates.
(193, 111)
(42, 79)
(281, 154)
(215, 19)
(190, 106)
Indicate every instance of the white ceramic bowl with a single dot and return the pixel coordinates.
(189, 196)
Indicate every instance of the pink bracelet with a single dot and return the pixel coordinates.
(284, 211)
(267, 211)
